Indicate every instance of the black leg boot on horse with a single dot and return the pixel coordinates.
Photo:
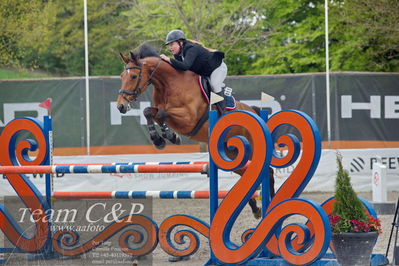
(167, 133)
(157, 140)
(257, 211)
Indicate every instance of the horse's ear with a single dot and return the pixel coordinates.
(134, 57)
(124, 58)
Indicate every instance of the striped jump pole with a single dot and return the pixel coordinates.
(86, 169)
(173, 194)
(139, 163)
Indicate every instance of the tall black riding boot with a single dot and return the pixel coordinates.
(221, 106)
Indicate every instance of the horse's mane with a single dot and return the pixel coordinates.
(144, 51)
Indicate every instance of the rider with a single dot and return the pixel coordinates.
(192, 55)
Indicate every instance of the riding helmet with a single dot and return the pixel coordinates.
(175, 35)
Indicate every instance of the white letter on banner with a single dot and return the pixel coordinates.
(274, 105)
(347, 106)
(11, 108)
(89, 211)
(23, 214)
(116, 116)
(391, 106)
(67, 212)
(133, 210)
(116, 207)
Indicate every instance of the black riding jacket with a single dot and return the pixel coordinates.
(196, 58)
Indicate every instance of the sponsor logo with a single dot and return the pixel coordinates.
(376, 178)
(14, 110)
(374, 107)
(39, 176)
(392, 163)
(357, 164)
(116, 116)
(88, 222)
(94, 212)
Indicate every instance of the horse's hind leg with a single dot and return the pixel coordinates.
(158, 141)
(256, 211)
(167, 133)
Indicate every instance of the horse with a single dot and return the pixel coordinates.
(177, 101)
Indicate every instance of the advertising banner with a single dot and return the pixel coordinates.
(364, 107)
(357, 162)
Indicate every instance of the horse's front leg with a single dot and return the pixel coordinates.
(157, 140)
(167, 133)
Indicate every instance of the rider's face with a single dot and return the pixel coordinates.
(174, 47)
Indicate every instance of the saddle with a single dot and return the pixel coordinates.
(206, 92)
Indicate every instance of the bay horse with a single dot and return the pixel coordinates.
(177, 101)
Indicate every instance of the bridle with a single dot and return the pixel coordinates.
(137, 90)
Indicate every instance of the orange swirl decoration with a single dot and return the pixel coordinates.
(305, 168)
(181, 236)
(305, 249)
(223, 127)
(14, 154)
(66, 242)
(310, 157)
(229, 209)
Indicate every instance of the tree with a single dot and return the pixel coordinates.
(49, 35)
(231, 26)
(365, 35)
(17, 19)
(258, 37)
(64, 51)
(296, 40)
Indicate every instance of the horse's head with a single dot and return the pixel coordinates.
(135, 79)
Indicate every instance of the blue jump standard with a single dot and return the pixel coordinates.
(327, 260)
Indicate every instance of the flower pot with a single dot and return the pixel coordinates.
(354, 248)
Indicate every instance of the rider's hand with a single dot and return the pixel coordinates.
(165, 58)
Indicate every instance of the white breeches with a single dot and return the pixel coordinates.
(217, 78)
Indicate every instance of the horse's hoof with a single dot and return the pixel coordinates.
(160, 144)
(258, 213)
(176, 259)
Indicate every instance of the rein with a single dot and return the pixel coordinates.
(137, 90)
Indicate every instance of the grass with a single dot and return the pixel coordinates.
(24, 74)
